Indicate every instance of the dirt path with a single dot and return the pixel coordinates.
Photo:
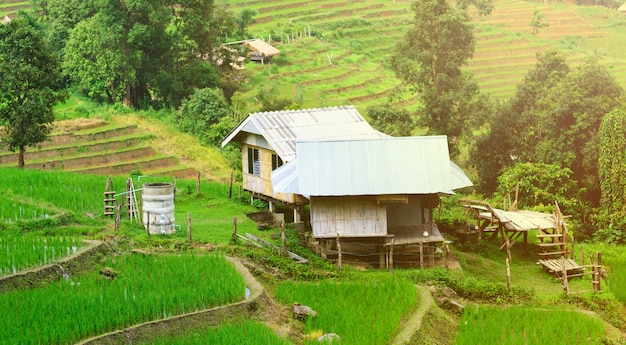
(414, 323)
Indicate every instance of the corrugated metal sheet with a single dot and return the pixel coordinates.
(282, 128)
(408, 165)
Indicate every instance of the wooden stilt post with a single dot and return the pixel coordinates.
(283, 239)
(189, 227)
(233, 238)
(391, 255)
(421, 254)
(564, 276)
(338, 254)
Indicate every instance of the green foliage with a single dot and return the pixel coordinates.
(537, 22)
(243, 20)
(553, 119)
(612, 174)
(538, 186)
(203, 110)
(389, 120)
(30, 87)
(605, 304)
(429, 59)
(484, 7)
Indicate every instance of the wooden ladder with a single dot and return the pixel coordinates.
(109, 200)
(557, 246)
(131, 197)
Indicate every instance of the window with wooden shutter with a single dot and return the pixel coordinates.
(254, 161)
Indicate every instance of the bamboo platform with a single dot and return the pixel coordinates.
(557, 266)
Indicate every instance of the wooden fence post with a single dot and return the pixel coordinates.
(197, 183)
(338, 254)
(233, 238)
(148, 223)
(508, 274)
(118, 217)
(599, 271)
(189, 227)
(230, 188)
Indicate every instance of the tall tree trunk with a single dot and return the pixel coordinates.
(20, 159)
(126, 100)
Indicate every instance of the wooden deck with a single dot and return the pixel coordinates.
(557, 266)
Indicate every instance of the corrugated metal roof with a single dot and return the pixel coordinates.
(408, 165)
(282, 128)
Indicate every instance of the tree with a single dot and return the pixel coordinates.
(245, 18)
(539, 185)
(537, 22)
(484, 7)
(202, 110)
(611, 221)
(394, 122)
(511, 136)
(30, 87)
(429, 60)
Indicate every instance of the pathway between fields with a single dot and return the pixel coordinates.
(414, 323)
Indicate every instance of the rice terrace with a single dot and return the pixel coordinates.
(90, 254)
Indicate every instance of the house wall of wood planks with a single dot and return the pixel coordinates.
(351, 216)
(261, 183)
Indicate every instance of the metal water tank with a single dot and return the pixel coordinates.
(158, 208)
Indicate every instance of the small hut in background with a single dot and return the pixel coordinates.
(622, 9)
(260, 50)
(6, 20)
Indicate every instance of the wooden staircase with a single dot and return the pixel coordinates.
(554, 244)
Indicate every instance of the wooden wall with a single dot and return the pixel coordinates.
(413, 213)
(358, 216)
(263, 184)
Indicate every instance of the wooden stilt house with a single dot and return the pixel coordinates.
(268, 140)
(374, 192)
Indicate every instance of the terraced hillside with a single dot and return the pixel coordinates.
(10, 7)
(98, 147)
(335, 52)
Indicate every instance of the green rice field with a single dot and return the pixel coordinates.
(360, 312)
(145, 288)
(20, 251)
(527, 325)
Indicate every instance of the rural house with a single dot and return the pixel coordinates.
(361, 184)
(268, 140)
(373, 190)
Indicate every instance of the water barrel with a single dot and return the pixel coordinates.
(158, 208)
